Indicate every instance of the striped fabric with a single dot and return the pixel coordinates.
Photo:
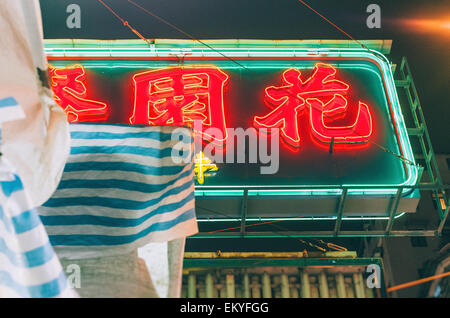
(121, 189)
(28, 265)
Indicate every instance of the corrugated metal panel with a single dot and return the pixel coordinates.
(276, 282)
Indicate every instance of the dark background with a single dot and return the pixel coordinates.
(427, 48)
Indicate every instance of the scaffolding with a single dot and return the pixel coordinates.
(429, 182)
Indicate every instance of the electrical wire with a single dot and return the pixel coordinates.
(333, 24)
(186, 33)
(398, 156)
(417, 282)
(125, 23)
(271, 223)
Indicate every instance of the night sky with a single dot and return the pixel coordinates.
(411, 24)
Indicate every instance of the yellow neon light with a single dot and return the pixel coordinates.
(203, 167)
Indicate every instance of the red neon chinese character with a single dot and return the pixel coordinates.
(177, 96)
(294, 95)
(71, 94)
(359, 131)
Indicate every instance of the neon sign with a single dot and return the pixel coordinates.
(178, 96)
(344, 99)
(204, 167)
(359, 131)
(68, 85)
(295, 95)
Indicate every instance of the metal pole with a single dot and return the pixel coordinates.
(394, 206)
(245, 286)
(305, 286)
(323, 285)
(340, 212)
(191, 285)
(340, 285)
(368, 291)
(349, 287)
(256, 291)
(244, 211)
(319, 233)
(209, 285)
(267, 290)
(230, 285)
(284, 286)
(441, 225)
(359, 287)
(293, 288)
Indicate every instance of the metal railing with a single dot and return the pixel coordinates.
(434, 186)
(280, 275)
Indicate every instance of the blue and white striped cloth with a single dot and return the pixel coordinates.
(28, 265)
(121, 189)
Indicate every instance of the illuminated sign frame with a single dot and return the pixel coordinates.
(171, 55)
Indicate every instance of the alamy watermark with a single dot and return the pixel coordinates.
(73, 275)
(254, 146)
(73, 20)
(374, 279)
(373, 21)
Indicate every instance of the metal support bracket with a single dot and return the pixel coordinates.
(244, 211)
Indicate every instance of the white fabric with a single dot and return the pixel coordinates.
(165, 263)
(153, 271)
(118, 276)
(34, 145)
(32, 15)
(37, 145)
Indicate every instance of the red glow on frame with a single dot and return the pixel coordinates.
(294, 95)
(179, 96)
(71, 94)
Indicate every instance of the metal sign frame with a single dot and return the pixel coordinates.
(393, 193)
